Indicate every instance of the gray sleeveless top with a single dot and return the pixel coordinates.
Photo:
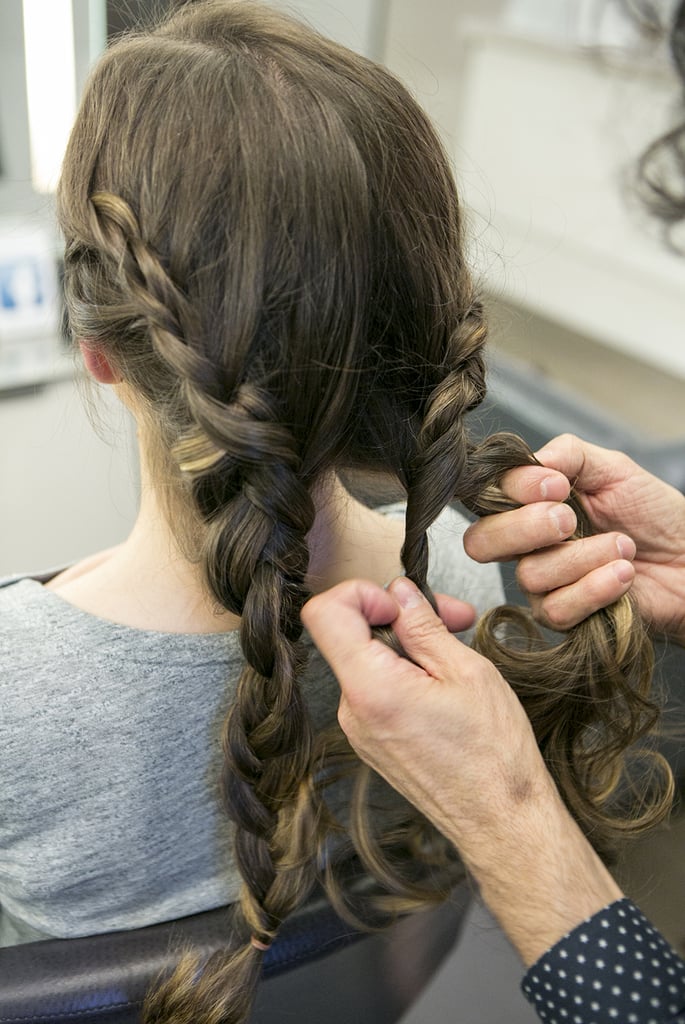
(109, 753)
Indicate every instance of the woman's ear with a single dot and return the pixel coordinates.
(97, 364)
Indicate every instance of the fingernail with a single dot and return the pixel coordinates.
(406, 594)
(565, 518)
(626, 548)
(624, 572)
(543, 485)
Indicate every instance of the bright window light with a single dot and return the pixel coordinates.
(50, 85)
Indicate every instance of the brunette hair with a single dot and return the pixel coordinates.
(263, 234)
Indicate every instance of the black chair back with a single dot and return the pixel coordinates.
(319, 968)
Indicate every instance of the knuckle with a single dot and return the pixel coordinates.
(555, 615)
(353, 708)
(602, 587)
(315, 610)
(365, 693)
(423, 631)
(349, 712)
(349, 723)
(529, 577)
(578, 556)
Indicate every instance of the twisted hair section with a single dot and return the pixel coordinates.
(434, 470)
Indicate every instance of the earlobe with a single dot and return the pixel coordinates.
(97, 364)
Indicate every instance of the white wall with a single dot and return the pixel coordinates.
(358, 24)
(15, 189)
(543, 134)
(66, 492)
(546, 164)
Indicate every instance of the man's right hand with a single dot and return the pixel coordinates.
(641, 537)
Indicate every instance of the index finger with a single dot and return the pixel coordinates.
(528, 484)
(507, 535)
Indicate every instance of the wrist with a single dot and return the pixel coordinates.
(538, 874)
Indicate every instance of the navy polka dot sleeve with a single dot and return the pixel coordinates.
(614, 968)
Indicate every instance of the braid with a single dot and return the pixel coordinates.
(255, 558)
(241, 467)
(411, 860)
(435, 472)
(152, 296)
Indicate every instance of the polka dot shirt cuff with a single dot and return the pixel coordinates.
(614, 968)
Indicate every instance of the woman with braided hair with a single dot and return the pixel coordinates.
(264, 257)
(264, 260)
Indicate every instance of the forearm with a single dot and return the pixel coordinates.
(537, 873)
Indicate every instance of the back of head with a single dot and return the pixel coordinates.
(283, 217)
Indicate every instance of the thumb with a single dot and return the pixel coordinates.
(421, 632)
(587, 466)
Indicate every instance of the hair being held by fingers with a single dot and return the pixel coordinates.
(588, 693)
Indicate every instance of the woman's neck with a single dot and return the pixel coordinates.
(148, 583)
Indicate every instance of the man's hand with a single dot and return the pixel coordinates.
(439, 728)
(449, 733)
(641, 537)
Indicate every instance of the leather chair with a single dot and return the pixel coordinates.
(319, 969)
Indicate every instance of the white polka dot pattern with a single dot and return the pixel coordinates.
(614, 968)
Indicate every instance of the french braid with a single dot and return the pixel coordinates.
(256, 559)
(242, 466)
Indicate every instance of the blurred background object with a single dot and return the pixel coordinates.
(30, 340)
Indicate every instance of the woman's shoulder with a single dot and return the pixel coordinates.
(20, 594)
(38, 627)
